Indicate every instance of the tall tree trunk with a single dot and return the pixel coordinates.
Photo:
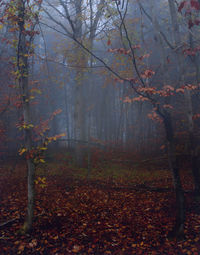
(187, 96)
(178, 230)
(193, 146)
(79, 107)
(23, 70)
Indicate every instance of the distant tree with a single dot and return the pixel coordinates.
(84, 27)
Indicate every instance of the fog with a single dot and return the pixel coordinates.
(91, 100)
(118, 78)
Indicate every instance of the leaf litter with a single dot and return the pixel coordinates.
(95, 219)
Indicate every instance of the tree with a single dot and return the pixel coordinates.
(85, 29)
(176, 47)
(193, 6)
(23, 17)
(140, 82)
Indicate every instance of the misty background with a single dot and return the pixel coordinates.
(73, 93)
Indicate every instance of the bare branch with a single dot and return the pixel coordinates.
(67, 15)
(130, 46)
(160, 31)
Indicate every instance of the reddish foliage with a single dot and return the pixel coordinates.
(124, 51)
(90, 218)
(190, 7)
(181, 6)
(196, 116)
(147, 74)
(195, 4)
(109, 42)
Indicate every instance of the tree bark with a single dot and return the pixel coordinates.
(178, 230)
(23, 70)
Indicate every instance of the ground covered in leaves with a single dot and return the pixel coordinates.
(99, 216)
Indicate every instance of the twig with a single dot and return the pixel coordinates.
(7, 222)
(4, 238)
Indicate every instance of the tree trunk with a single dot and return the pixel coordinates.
(79, 107)
(79, 120)
(195, 165)
(193, 142)
(23, 70)
(187, 96)
(178, 230)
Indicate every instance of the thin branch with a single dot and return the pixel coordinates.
(58, 23)
(162, 34)
(66, 65)
(131, 48)
(8, 222)
(67, 14)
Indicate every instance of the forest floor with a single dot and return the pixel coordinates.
(117, 211)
